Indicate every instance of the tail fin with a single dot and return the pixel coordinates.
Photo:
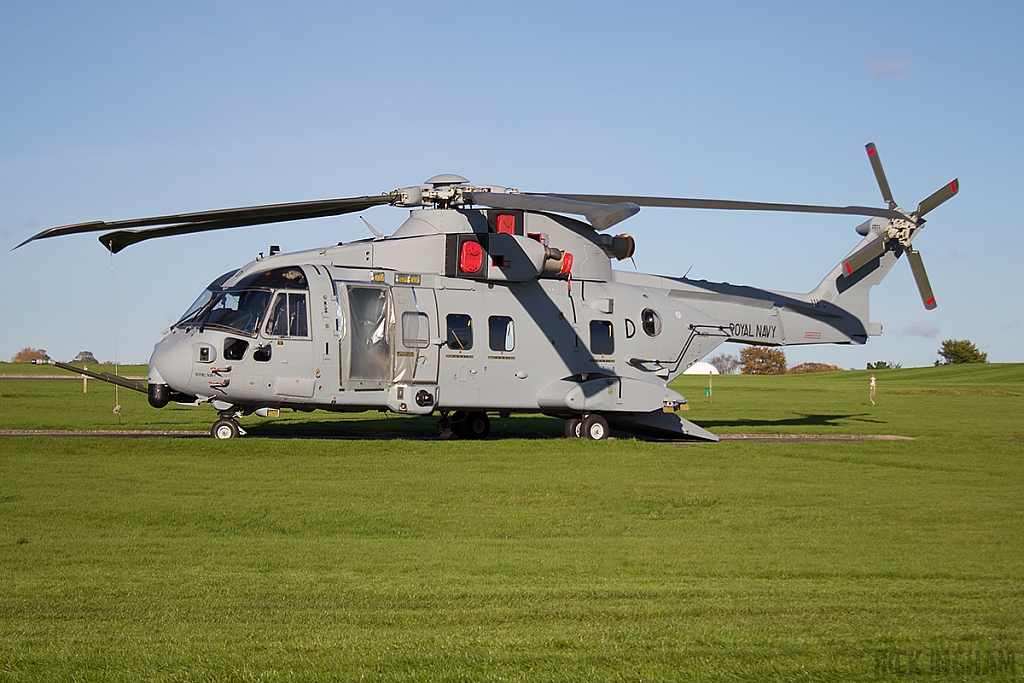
(849, 283)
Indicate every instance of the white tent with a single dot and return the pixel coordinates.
(701, 368)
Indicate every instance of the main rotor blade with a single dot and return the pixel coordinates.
(866, 255)
(220, 218)
(921, 278)
(119, 239)
(601, 215)
(876, 166)
(727, 204)
(941, 195)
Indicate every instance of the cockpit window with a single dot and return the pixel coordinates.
(205, 297)
(289, 277)
(243, 307)
(241, 310)
(288, 316)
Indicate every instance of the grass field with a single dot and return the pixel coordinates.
(526, 557)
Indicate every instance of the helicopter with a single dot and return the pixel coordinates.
(488, 300)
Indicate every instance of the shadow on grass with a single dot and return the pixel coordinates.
(526, 427)
(804, 420)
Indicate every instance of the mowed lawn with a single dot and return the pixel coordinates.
(524, 557)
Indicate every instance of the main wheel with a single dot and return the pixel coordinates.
(476, 426)
(572, 428)
(594, 427)
(224, 429)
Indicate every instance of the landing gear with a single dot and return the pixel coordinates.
(470, 425)
(225, 428)
(594, 427)
(444, 427)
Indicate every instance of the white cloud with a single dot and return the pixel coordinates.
(899, 70)
(922, 329)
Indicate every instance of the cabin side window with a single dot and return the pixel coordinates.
(602, 337)
(501, 333)
(460, 331)
(415, 330)
(651, 322)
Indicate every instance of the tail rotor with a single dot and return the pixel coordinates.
(901, 230)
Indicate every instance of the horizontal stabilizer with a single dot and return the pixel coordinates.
(659, 424)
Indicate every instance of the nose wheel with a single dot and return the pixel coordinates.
(226, 428)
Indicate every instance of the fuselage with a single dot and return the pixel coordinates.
(466, 310)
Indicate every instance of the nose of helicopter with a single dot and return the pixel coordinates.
(171, 363)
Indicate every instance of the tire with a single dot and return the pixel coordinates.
(594, 427)
(477, 426)
(572, 428)
(224, 429)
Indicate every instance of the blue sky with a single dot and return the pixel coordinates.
(121, 110)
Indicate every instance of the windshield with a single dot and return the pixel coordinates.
(205, 297)
(238, 309)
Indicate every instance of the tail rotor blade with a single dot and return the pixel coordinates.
(921, 278)
(859, 259)
(941, 195)
(876, 166)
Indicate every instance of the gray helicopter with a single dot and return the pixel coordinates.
(488, 300)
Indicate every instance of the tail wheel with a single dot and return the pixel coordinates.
(224, 429)
(594, 427)
(572, 428)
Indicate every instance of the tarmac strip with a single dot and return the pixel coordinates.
(192, 434)
(138, 433)
(796, 438)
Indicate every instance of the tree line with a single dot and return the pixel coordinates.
(28, 354)
(768, 360)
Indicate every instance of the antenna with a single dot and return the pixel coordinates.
(376, 235)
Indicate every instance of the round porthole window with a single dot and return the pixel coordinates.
(651, 322)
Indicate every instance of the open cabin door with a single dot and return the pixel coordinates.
(387, 340)
(366, 324)
(416, 355)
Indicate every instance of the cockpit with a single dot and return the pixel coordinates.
(245, 307)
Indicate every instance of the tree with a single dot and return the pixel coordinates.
(28, 354)
(813, 367)
(725, 364)
(957, 351)
(762, 360)
(86, 357)
(883, 365)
